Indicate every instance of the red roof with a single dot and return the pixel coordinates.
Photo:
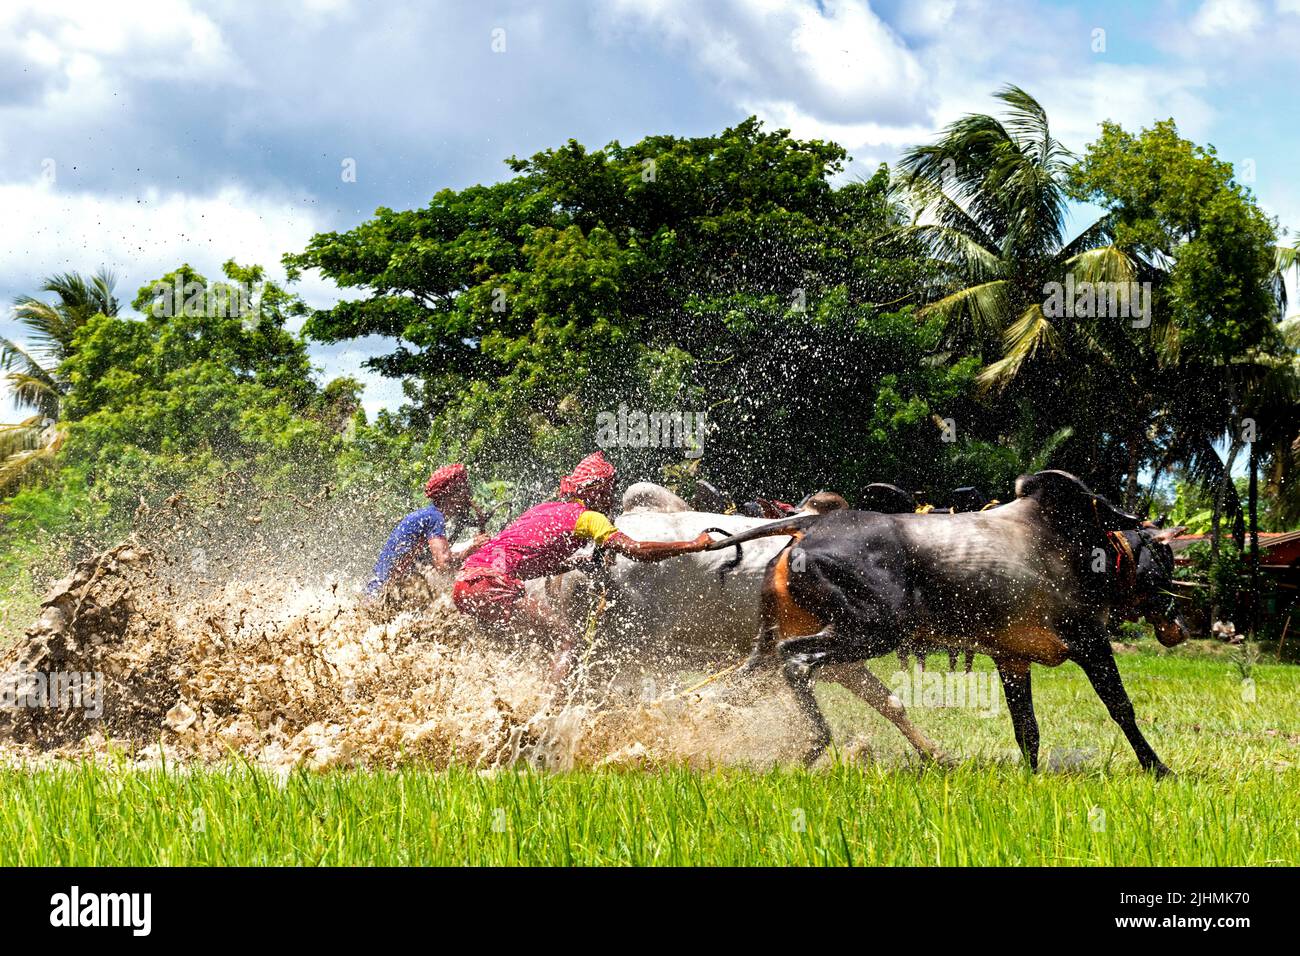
(1276, 548)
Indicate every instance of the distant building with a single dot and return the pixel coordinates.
(1279, 571)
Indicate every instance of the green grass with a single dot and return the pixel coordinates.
(1235, 801)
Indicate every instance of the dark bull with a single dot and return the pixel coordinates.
(1035, 581)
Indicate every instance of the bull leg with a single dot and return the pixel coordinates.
(859, 679)
(768, 634)
(802, 656)
(1020, 701)
(1104, 675)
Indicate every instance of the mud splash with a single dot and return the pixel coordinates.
(286, 671)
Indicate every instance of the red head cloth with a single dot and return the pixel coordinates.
(447, 482)
(591, 470)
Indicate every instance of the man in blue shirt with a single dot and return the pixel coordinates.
(448, 490)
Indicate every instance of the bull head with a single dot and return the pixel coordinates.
(1080, 515)
(1152, 593)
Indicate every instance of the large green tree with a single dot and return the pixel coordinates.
(1227, 374)
(723, 274)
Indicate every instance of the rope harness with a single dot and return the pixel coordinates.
(1124, 550)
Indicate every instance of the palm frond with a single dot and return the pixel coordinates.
(22, 436)
(1050, 447)
(1100, 233)
(28, 452)
(33, 386)
(1102, 264)
(984, 307)
(47, 327)
(1022, 339)
(52, 326)
(1286, 258)
(35, 393)
(961, 249)
(1027, 121)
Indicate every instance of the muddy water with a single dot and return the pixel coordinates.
(287, 668)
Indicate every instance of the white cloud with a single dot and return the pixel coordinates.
(84, 43)
(804, 125)
(837, 71)
(1217, 18)
(838, 61)
(926, 17)
(853, 60)
(141, 237)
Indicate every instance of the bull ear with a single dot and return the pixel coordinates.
(1168, 534)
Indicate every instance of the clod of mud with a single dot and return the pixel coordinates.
(136, 653)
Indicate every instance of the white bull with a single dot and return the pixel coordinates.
(705, 602)
(697, 604)
(647, 496)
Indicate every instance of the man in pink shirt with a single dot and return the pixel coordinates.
(540, 542)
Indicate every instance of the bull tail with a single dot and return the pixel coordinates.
(794, 527)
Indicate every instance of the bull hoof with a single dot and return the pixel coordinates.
(1162, 772)
(815, 752)
(797, 670)
(937, 760)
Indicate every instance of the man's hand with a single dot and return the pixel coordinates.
(702, 541)
(464, 551)
(583, 560)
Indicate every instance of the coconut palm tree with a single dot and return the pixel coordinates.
(989, 204)
(32, 372)
(50, 327)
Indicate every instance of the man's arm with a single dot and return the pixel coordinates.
(596, 527)
(620, 543)
(440, 552)
(444, 558)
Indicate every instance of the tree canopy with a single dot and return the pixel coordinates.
(727, 275)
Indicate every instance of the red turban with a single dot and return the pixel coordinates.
(591, 470)
(446, 482)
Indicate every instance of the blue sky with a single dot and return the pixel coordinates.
(142, 135)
